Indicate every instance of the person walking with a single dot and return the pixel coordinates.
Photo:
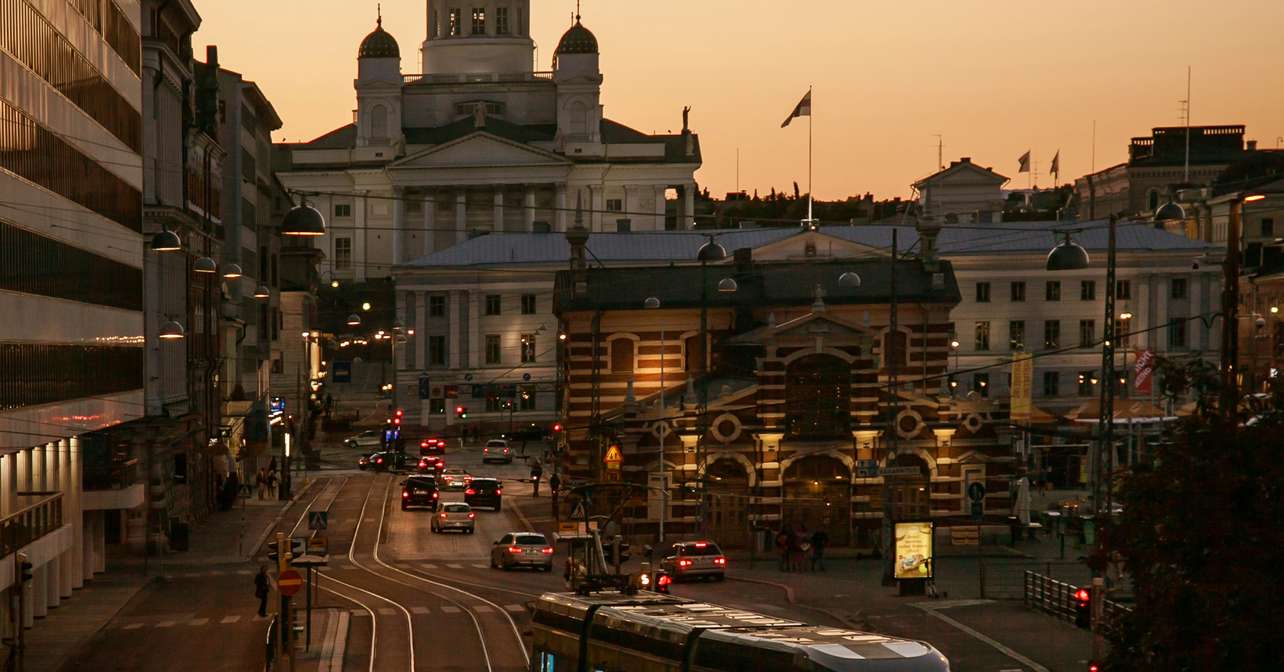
(783, 543)
(798, 547)
(554, 483)
(536, 472)
(819, 541)
(261, 589)
(272, 482)
(260, 480)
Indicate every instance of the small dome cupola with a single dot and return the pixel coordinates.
(379, 44)
(577, 40)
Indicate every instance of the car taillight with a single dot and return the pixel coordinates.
(378, 460)
(434, 495)
(1082, 596)
(514, 549)
(485, 450)
(471, 515)
(684, 563)
(505, 451)
(701, 544)
(470, 491)
(442, 516)
(547, 550)
(405, 494)
(664, 580)
(499, 491)
(720, 561)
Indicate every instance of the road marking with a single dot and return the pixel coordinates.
(454, 566)
(133, 626)
(386, 611)
(358, 612)
(515, 608)
(482, 609)
(244, 572)
(165, 624)
(450, 610)
(228, 620)
(996, 645)
(428, 567)
(371, 520)
(198, 621)
(479, 565)
(421, 611)
(215, 572)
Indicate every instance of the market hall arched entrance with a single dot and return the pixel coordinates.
(817, 492)
(727, 485)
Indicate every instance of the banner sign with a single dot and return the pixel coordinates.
(1143, 373)
(1022, 381)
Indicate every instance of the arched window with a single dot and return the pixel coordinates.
(379, 122)
(622, 355)
(818, 397)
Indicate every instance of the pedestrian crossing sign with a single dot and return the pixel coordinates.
(613, 456)
(318, 520)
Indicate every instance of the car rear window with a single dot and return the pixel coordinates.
(705, 549)
(458, 508)
(495, 444)
(530, 540)
(421, 482)
(479, 484)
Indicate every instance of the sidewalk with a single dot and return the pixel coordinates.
(55, 638)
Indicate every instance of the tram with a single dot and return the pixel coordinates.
(650, 632)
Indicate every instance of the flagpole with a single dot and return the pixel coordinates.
(811, 114)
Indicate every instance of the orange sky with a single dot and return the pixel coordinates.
(994, 77)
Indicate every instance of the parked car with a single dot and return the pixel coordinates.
(456, 478)
(419, 491)
(497, 450)
(485, 492)
(369, 439)
(454, 516)
(695, 559)
(432, 446)
(363, 462)
(388, 461)
(517, 549)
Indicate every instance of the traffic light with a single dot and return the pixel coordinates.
(557, 428)
(399, 413)
(24, 568)
(1094, 666)
(461, 412)
(1083, 608)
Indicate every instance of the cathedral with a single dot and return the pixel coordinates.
(482, 141)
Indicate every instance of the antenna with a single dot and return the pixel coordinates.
(1186, 109)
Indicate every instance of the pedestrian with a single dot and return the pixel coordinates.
(261, 589)
(798, 548)
(260, 479)
(554, 483)
(819, 541)
(782, 547)
(271, 483)
(536, 472)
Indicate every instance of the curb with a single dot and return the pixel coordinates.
(281, 514)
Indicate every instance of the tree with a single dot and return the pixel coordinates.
(1202, 538)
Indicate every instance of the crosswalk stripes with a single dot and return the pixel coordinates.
(479, 565)
(198, 621)
(454, 566)
(419, 611)
(228, 620)
(450, 610)
(428, 567)
(386, 611)
(515, 608)
(133, 626)
(482, 609)
(165, 624)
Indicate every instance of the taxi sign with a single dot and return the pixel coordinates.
(613, 456)
(289, 582)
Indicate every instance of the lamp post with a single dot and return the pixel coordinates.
(653, 303)
(710, 251)
(954, 349)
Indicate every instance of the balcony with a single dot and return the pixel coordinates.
(478, 77)
(38, 514)
(112, 478)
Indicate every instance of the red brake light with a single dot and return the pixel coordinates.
(684, 563)
(470, 491)
(1082, 595)
(405, 494)
(547, 550)
(701, 544)
(514, 549)
(443, 515)
(434, 495)
(1093, 667)
(471, 515)
(719, 561)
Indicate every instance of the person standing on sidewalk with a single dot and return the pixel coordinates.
(261, 586)
(536, 472)
(819, 540)
(554, 482)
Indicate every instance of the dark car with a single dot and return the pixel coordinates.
(431, 465)
(388, 461)
(432, 446)
(419, 491)
(485, 492)
(363, 462)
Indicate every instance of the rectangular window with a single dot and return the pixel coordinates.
(528, 348)
(1086, 380)
(981, 384)
(1088, 290)
(454, 21)
(615, 205)
(1087, 333)
(342, 209)
(1178, 288)
(479, 21)
(1051, 335)
(623, 225)
(492, 304)
(1177, 335)
(436, 306)
(1051, 383)
(436, 351)
(526, 398)
(342, 254)
(1052, 290)
(501, 20)
(1016, 335)
(492, 349)
(982, 292)
(528, 304)
(1018, 291)
(982, 337)
(1268, 227)
(1121, 333)
(1123, 289)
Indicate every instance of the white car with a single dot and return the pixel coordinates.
(497, 450)
(371, 439)
(454, 516)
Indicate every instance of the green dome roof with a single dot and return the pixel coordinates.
(577, 40)
(379, 44)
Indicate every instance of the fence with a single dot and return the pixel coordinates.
(1057, 598)
(42, 516)
(1005, 578)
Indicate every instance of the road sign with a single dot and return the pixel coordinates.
(614, 458)
(310, 560)
(900, 471)
(318, 520)
(317, 546)
(289, 582)
(976, 491)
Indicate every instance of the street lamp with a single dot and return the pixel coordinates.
(653, 303)
(231, 271)
(262, 292)
(166, 241)
(303, 221)
(171, 331)
(710, 251)
(354, 320)
(204, 265)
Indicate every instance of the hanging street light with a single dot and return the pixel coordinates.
(205, 265)
(231, 271)
(262, 292)
(171, 331)
(166, 241)
(303, 221)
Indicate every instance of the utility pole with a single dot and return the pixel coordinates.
(889, 522)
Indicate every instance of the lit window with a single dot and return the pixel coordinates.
(479, 21)
(1016, 335)
(1051, 334)
(454, 22)
(528, 348)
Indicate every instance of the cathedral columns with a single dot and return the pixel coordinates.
(497, 225)
(688, 207)
(659, 206)
(597, 204)
(430, 223)
(561, 207)
(461, 216)
(398, 222)
(529, 205)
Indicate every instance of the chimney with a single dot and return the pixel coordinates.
(211, 55)
(1252, 146)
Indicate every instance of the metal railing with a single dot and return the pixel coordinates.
(486, 77)
(40, 517)
(1057, 598)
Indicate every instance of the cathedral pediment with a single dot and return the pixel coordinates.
(479, 150)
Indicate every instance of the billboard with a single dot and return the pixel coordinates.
(1022, 381)
(913, 550)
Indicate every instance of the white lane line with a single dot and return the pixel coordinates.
(358, 612)
(996, 645)
(386, 611)
(454, 566)
(483, 609)
(132, 626)
(450, 609)
(515, 608)
(479, 565)
(228, 620)
(198, 621)
(428, 567)
(165, 624)
(420, 611)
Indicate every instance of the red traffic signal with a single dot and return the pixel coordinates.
(459, 409)
(400, 413)
(557, 427)
(1082, 596)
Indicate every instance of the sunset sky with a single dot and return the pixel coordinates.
(994, 77)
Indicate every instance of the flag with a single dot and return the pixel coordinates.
(803, 109)
(1143, 372)
(1025, 162)
(1056, 164)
